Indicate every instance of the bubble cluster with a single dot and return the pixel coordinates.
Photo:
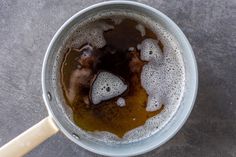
(91, 33)
(117, 20)
(141, 29)
(160, 76)
(150, 50)
(120, 102)
(106, 86)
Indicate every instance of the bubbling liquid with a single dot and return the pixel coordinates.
(122, 76)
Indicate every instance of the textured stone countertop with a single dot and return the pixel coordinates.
(26, 28)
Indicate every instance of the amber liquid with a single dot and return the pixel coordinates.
(78, 73)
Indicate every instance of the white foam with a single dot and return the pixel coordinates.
(91, 34)
(141, 29)
(163, 77)
(160, 76)
(106, 86)
(131, 49)
(117, 20)
(120, 102)
(150, 50)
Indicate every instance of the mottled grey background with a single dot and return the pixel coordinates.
(27, 26)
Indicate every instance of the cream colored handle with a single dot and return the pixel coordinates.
(29, 139)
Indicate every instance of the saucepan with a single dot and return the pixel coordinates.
(59, 118)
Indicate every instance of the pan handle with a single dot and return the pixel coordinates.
(29, 139)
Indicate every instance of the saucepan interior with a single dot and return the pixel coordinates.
(55, 102)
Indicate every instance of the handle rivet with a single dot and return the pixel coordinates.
(49, 96)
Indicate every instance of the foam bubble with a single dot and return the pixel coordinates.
(92, 34)
(120, 102)
(117, 20)
(141, 29)
(150, 50)
(106, 86)
(131, 49)
(154, 103)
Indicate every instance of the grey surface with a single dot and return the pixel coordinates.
(26, 28)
